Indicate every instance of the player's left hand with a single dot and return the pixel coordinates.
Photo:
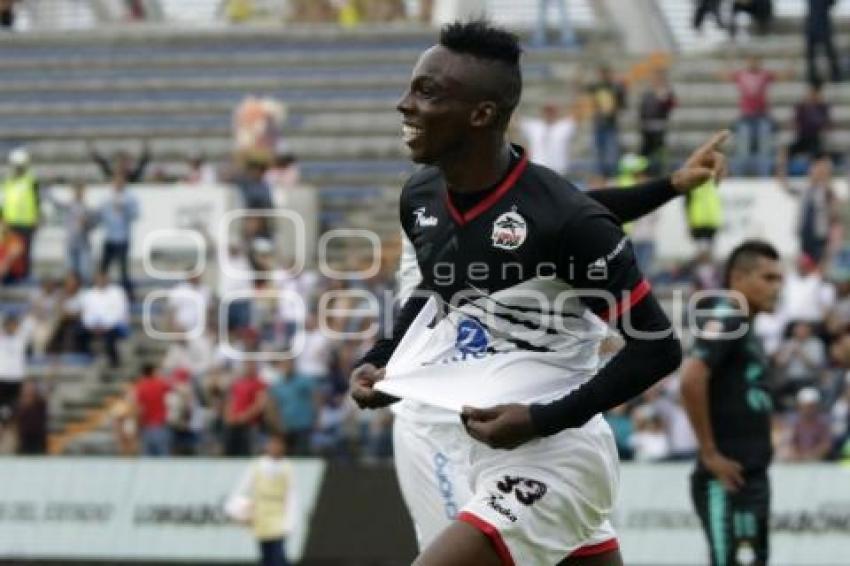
(502, 426)
(707, 162)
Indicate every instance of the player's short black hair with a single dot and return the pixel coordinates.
(483, 40)
(746, 254)
(494, 45)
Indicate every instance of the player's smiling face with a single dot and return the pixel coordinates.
(437, 107)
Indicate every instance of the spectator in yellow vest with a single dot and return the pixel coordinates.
(21, 202)
(239, 11)
(265, 500)
(705, 215)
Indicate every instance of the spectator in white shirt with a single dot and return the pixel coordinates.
(549, 138)
(649, 441)
(192, 355)
(188, 303)
(14, 338)
(801, 358)
(105, 315)
(200, 171)
(314, 358)
(680, 434)
(770, 328)
(806, 296)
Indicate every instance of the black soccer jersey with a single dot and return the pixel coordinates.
(533, 225)
(739, 404)
(536, 233)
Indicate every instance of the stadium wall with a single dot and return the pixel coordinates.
(170, 217)
(751, 208)
(150, 511)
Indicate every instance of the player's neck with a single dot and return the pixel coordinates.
(743, 306)
(478, 170)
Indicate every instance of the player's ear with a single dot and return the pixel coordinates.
(484, 114)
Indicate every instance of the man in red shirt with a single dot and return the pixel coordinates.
(246, 403)
(12, 256)
(149, 394)
(753, 133)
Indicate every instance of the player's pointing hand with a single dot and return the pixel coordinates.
(707, 162)
(502, 426)
(362, 382)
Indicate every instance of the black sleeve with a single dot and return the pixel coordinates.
(383, 349)
(630, 203)
(603, 261)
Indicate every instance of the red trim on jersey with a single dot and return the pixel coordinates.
(594, 549)
(490, 532)
(636, 295)
(492, 198)
(455, 214)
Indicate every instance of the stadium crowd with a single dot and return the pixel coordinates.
(198, 398)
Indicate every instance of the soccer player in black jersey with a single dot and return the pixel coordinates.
(725, 394)
(479, 202)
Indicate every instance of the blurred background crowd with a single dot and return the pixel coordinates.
(79, 372)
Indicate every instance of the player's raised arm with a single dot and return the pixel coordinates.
(639, 200)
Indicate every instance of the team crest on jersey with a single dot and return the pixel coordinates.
(509, 231)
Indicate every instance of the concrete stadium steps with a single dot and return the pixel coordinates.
(342, 207)
(76, 394)
(80, 401)
(729, 58)
(339, 104)
(349, 141)
(149, 83)
(319, 173)
(89, 55)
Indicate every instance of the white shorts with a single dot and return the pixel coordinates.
(432, 462)
(548, 499)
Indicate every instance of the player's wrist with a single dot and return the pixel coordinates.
(680, 181)
(551, 418)
(708, 452)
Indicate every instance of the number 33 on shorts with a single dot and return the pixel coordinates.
(526, 491)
